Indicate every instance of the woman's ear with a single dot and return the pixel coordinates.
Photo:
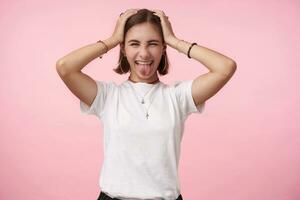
(164, 47)
(122, 47)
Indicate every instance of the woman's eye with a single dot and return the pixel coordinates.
(134, 44)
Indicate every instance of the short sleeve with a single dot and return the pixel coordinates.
(183, 92)
(98, 103)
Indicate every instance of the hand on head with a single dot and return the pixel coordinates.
(118, 33)
(166, 25)
(168, 33)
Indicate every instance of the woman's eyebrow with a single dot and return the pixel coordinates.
(139, 41)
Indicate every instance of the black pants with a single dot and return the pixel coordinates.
(103, 196)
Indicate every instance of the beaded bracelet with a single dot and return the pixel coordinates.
(190, 49)
(188, 53)
(100, 41)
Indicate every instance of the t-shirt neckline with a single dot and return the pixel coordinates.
(142, 83)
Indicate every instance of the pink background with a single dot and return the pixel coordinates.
(245, 146)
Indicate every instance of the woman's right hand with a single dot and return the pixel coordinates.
(118, 33)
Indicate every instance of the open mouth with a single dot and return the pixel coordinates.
(144, 64)
(144, 68)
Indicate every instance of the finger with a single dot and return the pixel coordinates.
(130, 12)
(160, 12)
(157, 14)
(161, 16)
(156, 10)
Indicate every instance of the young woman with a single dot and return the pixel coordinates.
(143, 117)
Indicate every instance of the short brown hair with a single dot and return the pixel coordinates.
(143, 15)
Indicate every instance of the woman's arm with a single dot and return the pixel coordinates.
(221, 68)
(79, 58)
(76, 60)
(214, 61)
(69, 69)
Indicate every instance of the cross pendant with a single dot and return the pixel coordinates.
(147, 115)
(143, 101)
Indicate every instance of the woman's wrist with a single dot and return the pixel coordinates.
(173, 42)
(108, 45)
(111, 43)
(182, 46)
(178, 44)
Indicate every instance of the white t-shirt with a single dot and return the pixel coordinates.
(141, 155)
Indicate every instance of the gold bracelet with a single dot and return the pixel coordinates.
(100, 41)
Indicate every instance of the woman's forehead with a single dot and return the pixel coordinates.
(143, 32)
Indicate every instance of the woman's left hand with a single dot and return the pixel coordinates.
(166, 26)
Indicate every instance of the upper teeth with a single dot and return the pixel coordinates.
(144, 63)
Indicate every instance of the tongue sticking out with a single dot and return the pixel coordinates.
(144, 69)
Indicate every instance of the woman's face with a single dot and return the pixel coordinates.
(143, 50)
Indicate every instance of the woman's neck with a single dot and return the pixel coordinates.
(151, 82)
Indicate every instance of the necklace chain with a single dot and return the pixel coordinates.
(143, 101)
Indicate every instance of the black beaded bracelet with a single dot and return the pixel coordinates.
(190, 49)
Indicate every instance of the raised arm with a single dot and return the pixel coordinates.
(69, 67)
(221, 68)
(79, 58)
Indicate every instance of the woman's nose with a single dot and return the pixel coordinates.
(144, 52)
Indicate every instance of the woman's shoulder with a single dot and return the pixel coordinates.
(178, 83)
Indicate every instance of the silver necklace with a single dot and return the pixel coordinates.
(143, 98)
